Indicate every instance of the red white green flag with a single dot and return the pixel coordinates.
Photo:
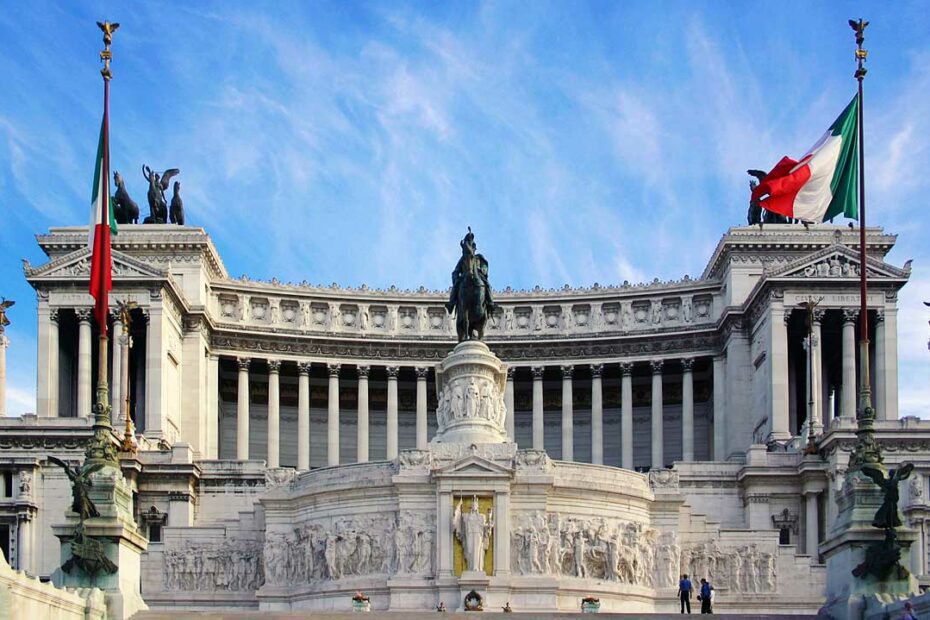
(823, 183)
(102, 223)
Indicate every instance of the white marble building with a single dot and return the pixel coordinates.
(285, 457)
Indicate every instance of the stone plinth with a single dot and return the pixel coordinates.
(470, 384)
(845, 549)
(122, 542)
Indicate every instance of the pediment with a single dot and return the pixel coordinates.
(473, 465)
(837, 262)
(76, 265)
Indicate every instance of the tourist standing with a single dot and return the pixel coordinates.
(684, 593)
(706, 596)
(908, 612)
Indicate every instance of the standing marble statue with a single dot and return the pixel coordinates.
(474, 530)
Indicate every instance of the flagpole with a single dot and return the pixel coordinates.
(866, 450)
(101, 447)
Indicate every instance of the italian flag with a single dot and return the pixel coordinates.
(823, 183)
(102, 224)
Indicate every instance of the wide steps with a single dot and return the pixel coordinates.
(425, 615)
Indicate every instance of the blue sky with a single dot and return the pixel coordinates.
(353, 142)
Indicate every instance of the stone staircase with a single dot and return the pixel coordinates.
(422, 615)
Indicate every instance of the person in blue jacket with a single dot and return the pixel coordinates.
(684, 593)
(706, 590)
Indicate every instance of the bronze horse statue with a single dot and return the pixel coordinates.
(470, 297)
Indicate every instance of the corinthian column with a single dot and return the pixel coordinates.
(392, 411)
(303, 415)
(274, 413)
(879, 400)
(597, 415)
(687, 409)
(848, 398)
(422, 374)
(508, 405)
(47, 380)
(538, 428)
(568, 436)
(84, 361)
(820, 416)
(116, 364)
(332, 419)
(658, 459)
(626, 414)
(242, 410)
(362, 433)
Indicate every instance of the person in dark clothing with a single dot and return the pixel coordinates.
(705, 597)
(684, 593)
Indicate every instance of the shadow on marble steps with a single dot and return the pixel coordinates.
(324, 615)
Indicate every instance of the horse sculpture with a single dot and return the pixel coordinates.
(470, 297)
(125, 208)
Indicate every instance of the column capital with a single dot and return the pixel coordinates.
(53, 315)
(422, 372)
(879, 317)
(538, 372)
(657, 366)
(510, 371)
(687, 364)
(818, 315)
(244, 362)
(333, 369)
(850, 316)
(303, 368)
(274, 366)
(626, 368)
(114, 316)
(597, 370)
(567, 371)
(213, 357)
(786, 317)
(392, 371)
(363, 371)
(83, 314)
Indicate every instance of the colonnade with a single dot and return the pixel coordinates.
(336, 370)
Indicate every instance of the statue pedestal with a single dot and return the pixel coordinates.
(848, 596)
(470, 382)
(121, 541)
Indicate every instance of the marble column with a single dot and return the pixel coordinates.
(116, 366)
(820, 413)
(422, 373)
(213, 402)
(720, 408)
(508, 405)
(242, 410)
(154, 365)
(443, 566)
(811, 526)
(568, 430)
(47, 366)
(658, 459)
(24, 543)
(878, 399)
(626, 415)
(361, 449)
(538, 425)
(303, 415)
(501, 533)
(887, 379)
(332, 418)
(778, 371)
(274, 413)
(687, 409)
(597, 415)
(84, 361)
(392, 372)
(848, 395)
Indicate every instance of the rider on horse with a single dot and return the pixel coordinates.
(471, 263)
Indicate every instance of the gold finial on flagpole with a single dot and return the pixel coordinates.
(106, 55)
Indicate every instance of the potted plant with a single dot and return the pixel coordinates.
(590, 605)
(361, 603)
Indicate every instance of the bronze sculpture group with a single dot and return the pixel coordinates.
(470, 298)
(883, 558)
(126, 210)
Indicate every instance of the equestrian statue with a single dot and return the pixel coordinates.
(470, 298)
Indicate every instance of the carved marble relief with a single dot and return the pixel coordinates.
(740, 569)
(229, 566)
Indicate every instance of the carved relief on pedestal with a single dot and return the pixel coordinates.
(746, 569)
(230, 566)
(470, 384)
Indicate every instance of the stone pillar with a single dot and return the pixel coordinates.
(658, 459)
(888, 331)
(154, 357)
(332, 418)
(47, 362)
(362, 436)
(242, 410)
(84, 361)
(508, 405)
(778, 369)
(687, 409)
(720, 408)
(116, 366)
(24, 541)
(392, 411)
(597, 415)
(918, 549)
(820, 412)
(444, 535)
(568, 436)
(501, 533)
(626, 415)
(303, 415)
(811, 526)
(274, 413)
(848, 395)
(878, 397)
(538, 425)
(422, 435)
(213, 402)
